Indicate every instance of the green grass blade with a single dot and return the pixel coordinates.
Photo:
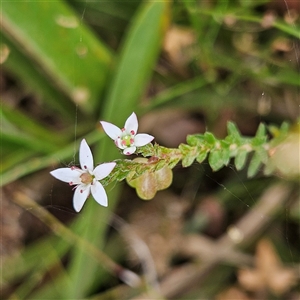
(39, 163)
(27, 125)
(18, 65)
(166, 97)
(66, 51)
(139, 54)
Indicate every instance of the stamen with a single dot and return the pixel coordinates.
(123, 129)
(131, 141)
(71, 183)
(81, 191)
(132, 132)
(85, 167)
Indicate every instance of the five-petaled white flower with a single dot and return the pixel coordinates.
(86, 178)
(127, 138)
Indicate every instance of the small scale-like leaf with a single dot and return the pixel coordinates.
(201, 156)
(263, 154)
(254, 165)
(161, 164)
(233, 130)
(195, 139)
(240, 159)
(184, 148)
(187, 160)
(225, 156)
(189, 154)
(173, 162)
(260, 136)
(225, 152)
(261, 130)
(284, 128)
(147, 150)
(215, 159)
(210, 138)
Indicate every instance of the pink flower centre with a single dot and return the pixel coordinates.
(86, 178)
(127, 140)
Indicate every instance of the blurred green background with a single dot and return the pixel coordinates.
(184, 67)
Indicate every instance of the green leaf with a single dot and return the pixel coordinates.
(219, 156)
(189, 154)
(38, 163)
(147, 150)
(23, 123)
(234, 137)
(202, 155)
(261, 131)
(225, 151)
(284, 128)
(32, 79)
(233, 131)
(254, 165)
(210, 138)
(139, 54)
(263, 154)
(167, 97)
(195, 139)
(187, 161)
(240, 158)
(22, 140)
(64, 49)
(260, 136)
(215, 159)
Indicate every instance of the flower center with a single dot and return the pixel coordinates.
(127, 140)
(86, 178)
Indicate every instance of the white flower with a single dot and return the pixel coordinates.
(127, 138)
(86, 178)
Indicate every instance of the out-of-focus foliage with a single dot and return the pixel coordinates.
(66, 64)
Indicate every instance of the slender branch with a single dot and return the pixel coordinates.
(240, 235)
(62, 231)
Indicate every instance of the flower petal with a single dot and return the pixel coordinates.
(103, 170)
(85, 156)
(99, 193)
(129, 150)
(119, 144)
(142, 139)
(80, 195)
(131, 123)
(69, 175)
(111, 130)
